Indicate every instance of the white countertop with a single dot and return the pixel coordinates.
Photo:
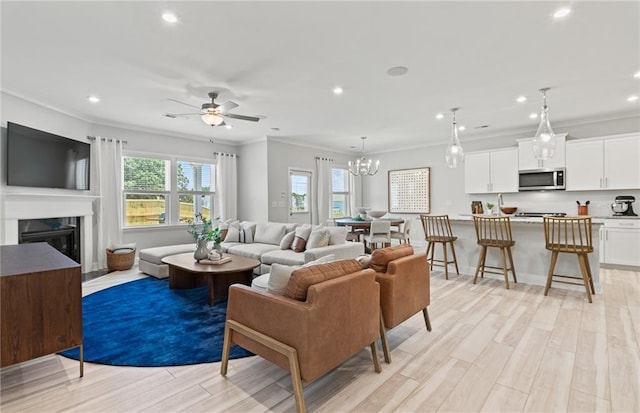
(519, 220)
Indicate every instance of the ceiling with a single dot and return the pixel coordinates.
(281, 60)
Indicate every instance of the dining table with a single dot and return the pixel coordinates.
(363, 226)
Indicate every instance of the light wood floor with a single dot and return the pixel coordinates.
(491, 349)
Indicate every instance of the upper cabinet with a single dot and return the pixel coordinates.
(527, 161)
(603, 163)
(491, 171)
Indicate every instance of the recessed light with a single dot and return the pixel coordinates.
(637, 74)
(169, 17)
(632, 98)
(461, 128)
(93, 99)
(397, 71)
(561, 12)
(439, 116)
(533, 116)
(228, 126)
(521, 99)
(338, 90)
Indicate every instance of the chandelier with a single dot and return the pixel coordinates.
(454, 154)
(544, 143)
(363, 166)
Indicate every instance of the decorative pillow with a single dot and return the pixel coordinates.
(287, 240)
(337, 235)
(300, 239)
(301, 279)
(279, 278)
(321, 260)
(233, 232)
(381, 258)
(269, 233)
(318, 238)
(364, 261)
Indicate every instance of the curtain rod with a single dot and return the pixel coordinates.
(93, 138)
(233, 155)
(324, 159)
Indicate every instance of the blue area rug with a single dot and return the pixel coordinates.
(143, 323)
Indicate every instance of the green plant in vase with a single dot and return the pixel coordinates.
(489, 208)
(203, 230)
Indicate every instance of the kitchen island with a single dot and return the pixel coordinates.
(530, 257)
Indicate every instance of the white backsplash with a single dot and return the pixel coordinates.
(557, 201)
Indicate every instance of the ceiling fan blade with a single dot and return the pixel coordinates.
(181, 114)
(241, 117)
(227, 106)
(183, 103)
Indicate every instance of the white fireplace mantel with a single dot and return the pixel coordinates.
(19, 206)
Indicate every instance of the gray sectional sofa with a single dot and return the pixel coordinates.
(264, 242)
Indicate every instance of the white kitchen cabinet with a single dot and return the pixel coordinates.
(527, 161)
(603, 163)
(621, 242)
(491, 171)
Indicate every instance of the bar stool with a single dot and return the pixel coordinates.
(572, 236)
(494, 232)
(437, 229)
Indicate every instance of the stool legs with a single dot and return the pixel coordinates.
(505, 269)
(552, 266)
(431, 247)
(585, 271)
(455, 259)
(481, 258)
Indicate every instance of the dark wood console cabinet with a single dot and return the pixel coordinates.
(40, 303)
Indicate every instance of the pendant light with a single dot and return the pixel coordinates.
(363, 166)
(544, 143)
(454, 154)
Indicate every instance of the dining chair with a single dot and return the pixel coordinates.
(571, 236)
(494, 232)
(403, 236)
(380, 233)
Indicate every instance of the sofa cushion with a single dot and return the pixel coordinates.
(287, 240)
(269, 233)
(260, 282)
(286, 257)
(254, 251)
(233, 232)
(301, 236)
(247, 231)
(156, 254)
(301, 279)
(381, 258)
(318, 238)
(279, 278)
(337, 235)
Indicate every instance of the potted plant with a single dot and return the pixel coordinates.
(202, 230)
(489, 208)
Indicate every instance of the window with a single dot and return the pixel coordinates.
(300, 183)
(155, 196)
(340, 192)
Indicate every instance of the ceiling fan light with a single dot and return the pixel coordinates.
(211, 119)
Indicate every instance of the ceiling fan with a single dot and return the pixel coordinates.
(213, 114)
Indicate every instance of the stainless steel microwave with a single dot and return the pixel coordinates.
(542, 179)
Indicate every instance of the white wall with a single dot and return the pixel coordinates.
(253, 182)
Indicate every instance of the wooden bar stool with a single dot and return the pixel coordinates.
(572, 236)
(437, 229)
(494, 232)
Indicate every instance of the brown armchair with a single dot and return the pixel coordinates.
(328, 314)
(404, 287)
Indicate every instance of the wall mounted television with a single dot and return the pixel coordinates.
(40, 159)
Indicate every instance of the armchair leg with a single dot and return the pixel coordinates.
(383, 339)
(226, 347)
(425, 313)
(376, 360)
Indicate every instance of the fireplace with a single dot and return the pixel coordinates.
(62, 234)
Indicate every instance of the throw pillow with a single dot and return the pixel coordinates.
(381, 258)
(318, 238)
(364, 261)
(301, 236)
(301, 279)
(279, 278)
(337, 235)
(233, 232)
(287, 240)
(247, 230)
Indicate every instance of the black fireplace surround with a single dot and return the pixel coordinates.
(62, 234)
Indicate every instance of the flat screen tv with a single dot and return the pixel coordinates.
(40, 159)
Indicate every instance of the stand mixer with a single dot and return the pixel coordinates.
(622, 206)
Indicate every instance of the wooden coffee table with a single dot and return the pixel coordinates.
(185, 273)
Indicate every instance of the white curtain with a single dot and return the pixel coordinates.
(226, 199)
(108, 173)
(353, 196)
(324, 191)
